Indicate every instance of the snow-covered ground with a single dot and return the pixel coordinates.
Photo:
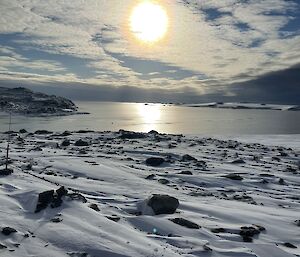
(229, 189)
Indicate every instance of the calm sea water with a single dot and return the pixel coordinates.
(165, 119)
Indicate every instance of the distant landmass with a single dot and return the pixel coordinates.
(257, 106)
(23, 101)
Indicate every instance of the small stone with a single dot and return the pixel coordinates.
(80, 142)
(238, 161)
(218, 230)
(185, 223)
(94, 207)
(188, 157)
(56, 220)
(163, 204)
(289, 245)
(234, 176)
(186, 172)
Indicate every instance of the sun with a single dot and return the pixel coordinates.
(149, 22)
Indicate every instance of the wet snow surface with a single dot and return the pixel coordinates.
(235, 199)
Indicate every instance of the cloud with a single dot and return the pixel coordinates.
(210, 44)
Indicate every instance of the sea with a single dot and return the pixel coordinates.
(171, 119)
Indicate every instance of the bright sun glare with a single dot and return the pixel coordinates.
(149, 21)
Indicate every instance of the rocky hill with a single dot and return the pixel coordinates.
(26, 102)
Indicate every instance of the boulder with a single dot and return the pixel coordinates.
(44, 199)
(163, 204)
(8, 230)
(155, 161)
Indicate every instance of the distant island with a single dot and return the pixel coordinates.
(23, 101)
(257, 106)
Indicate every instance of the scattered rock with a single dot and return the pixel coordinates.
(8, 230)
(44, 199)
(218, 230)
(163, 181)
(6, 172)
(150, 177)
(77, 196)
(22, 131)
(94, 207)
(289, 245)
(56, 220)
(187, 157)
(66, 142)
(50, 197)
(233, 176)
(238, 161)
(80, 142)
(113, 218)
(130, 134)
(163, 204)
(185, 223)
(155, 161)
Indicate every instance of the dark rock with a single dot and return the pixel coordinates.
(218, 230)
(77, 196)
(22, 131)
(130, 134)
(56, 220)
(80, 142)
(94, 207)
(163, 181)
(65, 143)
(163, 204)
(153, 132)
(249, 231)
(289, 245)
(234, 176)
(61, 191)
(187, 157)
(155, 161)
(150, 177)
(297, 222)
(281, 181)
(8, 230)
(247, 239)
(45, 198)
(2, 246)
(238, 161)
(113, 218)
(6, 172)
(185, 223)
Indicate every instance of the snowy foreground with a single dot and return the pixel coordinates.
(235, 199)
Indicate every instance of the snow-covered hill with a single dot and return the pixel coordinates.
(24, 101)
(235, 199)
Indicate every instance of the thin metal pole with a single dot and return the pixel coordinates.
(8, 141)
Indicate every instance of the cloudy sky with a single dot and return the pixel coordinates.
(208, 50)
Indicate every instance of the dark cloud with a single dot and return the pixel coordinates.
(274, 87)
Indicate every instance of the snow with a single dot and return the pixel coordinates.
(111, 173)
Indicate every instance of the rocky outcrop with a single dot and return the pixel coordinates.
(26, 102)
